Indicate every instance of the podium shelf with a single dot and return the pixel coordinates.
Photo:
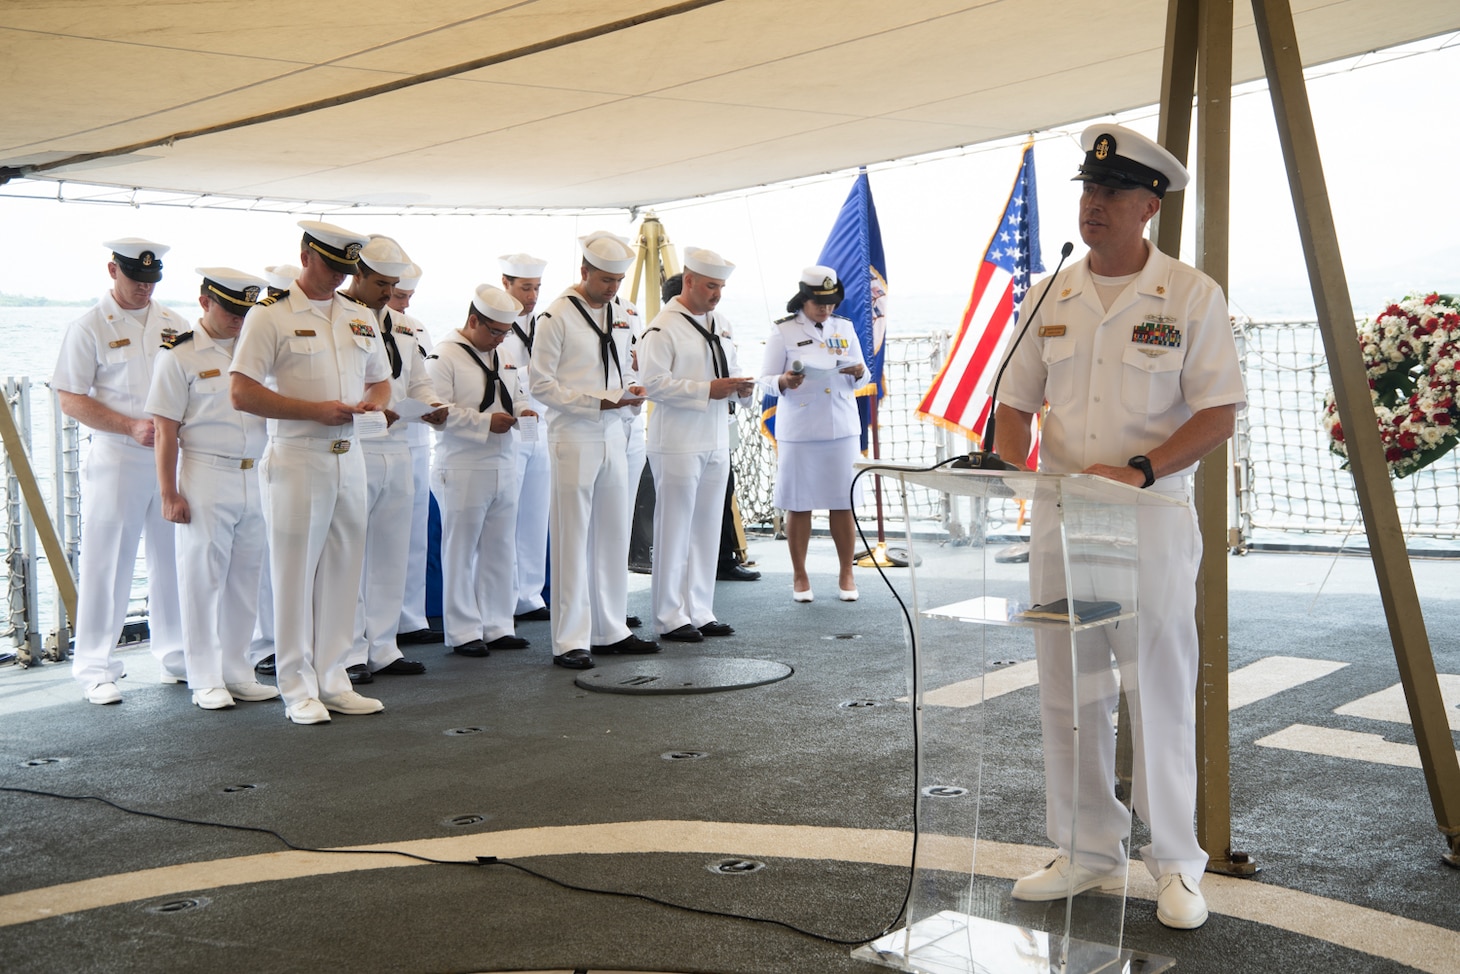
(993, 611)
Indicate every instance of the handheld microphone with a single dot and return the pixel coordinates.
(798, 368)
(988, 458)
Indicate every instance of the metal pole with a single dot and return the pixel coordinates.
(1279, 44)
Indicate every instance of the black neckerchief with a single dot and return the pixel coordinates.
(392, 350)
(495, 382)
(606, 346)
(717, 351)
(527, 336)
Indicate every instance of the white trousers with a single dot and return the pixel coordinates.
(220, 552)
(413, 605)
(120, 504)
(314, 503)
(389, 499)
(478, 512)
(1158, 673)
(533, 486)
(262, 646)
(636, 455)
(588, 537)
(689, 503)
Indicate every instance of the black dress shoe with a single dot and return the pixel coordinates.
(474, 648)
(540, 614)
(508, 642)
(628, 644)
(684, 634)
(574, 659)
(360, 673)
(633, 622)
(265, 666)
(419, 637)
(716, 629)
(402, 667)
(736, 573)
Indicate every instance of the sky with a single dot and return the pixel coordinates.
(1387, 131)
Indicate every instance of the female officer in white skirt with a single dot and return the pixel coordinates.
(813, 364)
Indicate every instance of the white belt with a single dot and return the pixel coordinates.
(225, 463)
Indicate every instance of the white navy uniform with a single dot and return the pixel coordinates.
(107, 354)
(1118, 384)
(389, 503)
(627, 331)
(413, 605)
(474, 477)
(220, 550)
(818, 430)
(588, 527)
(689, 454)
(313, 481)
(533, 484)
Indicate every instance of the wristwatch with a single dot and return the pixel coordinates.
(1143, 464)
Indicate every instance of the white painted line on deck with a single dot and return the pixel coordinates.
(969, 693)
(1389, 704)
(1423, 946)
(1272, 675)
(1333, 743)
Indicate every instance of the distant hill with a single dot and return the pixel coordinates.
(26, 301)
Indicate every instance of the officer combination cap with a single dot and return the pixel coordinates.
(496, 304)
(707, 263)
(1123, 158)
(608, 252)
(521, 265)
(384, 256)
(819, 283)
(410, 279)
(139, 259)
(235, 290)
(281, 277)
(339, 247)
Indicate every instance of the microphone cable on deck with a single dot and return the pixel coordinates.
(480, 861)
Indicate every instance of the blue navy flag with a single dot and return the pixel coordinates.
(854, 249)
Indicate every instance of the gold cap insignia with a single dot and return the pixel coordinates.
(147, 258)
(251, 293)
(352, 252)
(1103, 147)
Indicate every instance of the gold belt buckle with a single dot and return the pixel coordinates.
(245, 464)
(340, 446)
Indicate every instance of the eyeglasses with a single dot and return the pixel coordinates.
(503, 333)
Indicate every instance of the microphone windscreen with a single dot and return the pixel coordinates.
(1067, 249)
(797, 367)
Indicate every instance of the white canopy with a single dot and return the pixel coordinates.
(578, 103)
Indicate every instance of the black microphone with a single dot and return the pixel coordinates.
(988, 458)
(797, 368)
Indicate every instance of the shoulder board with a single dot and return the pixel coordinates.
(265, 302)
(782, 321)
(173, 341)
(348, 298)
(840, 318)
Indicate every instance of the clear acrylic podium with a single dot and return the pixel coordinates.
(980, 770)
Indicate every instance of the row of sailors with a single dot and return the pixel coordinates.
(306, 367)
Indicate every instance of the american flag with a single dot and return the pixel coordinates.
(957, 400)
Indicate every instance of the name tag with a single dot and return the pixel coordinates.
(362, 329)
(120, 343)
(806, 342)
(209, 374)
(304, 332)
(1051, 331)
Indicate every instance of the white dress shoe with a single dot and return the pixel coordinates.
(1062, 878)
(847, 594)
(213, 698)
(351, 702)
(310, 711)
(252, 691)
(1179, 903)
(100, 693)
(168, 679)
(805, 596)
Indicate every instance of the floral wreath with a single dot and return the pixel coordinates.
(1410, 352)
